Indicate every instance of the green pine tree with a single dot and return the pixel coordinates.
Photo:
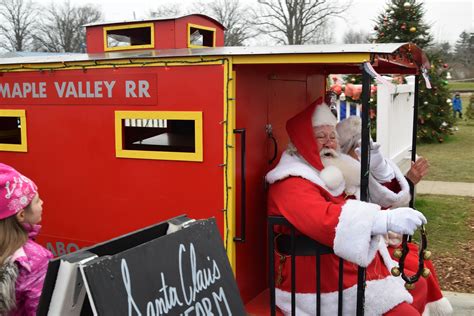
(402, 21)
(435, 117)
(470, 108)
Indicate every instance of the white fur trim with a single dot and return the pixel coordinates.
(387, 259)
(384, 197)
(323, 116)
(354, 241)
(295, 166)
(332, 176)
(426, 312)
(441, 307)
(380, 297)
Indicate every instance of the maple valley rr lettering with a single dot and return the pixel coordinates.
(74, 89)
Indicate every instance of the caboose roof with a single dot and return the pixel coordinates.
(163, 18)
(392, 55)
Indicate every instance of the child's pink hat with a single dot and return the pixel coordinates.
(16, 191)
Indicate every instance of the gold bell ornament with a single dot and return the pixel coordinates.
(395, 271)
(397, 253)
(426, 272)
(409, 286)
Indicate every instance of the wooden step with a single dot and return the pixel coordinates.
(260, 305)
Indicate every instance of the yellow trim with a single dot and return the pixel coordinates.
(117, 63)
(200, 27)
(345, 58)
(23, 147)
(336, 58)
(161, 115)
(229, 158)
(126, 27)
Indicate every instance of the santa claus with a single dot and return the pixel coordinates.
(308, 187)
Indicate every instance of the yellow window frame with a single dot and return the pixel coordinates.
(23, 147)
(125, 27)
(159, 155)
(200, 27)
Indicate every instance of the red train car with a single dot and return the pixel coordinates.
(148, 124)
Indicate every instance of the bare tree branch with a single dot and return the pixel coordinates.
(296, 21)
(61, 28)
(231, 14)
(166, 10)
(18, 25)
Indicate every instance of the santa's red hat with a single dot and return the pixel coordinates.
(300, 130)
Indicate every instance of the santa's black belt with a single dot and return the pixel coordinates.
(304, 246)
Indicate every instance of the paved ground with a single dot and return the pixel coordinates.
(445, 188)
(463, 303)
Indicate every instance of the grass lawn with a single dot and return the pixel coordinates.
(450, 237)
(461, 86)
(448, 220)
(452, 160)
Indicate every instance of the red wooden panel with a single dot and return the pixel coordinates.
(251, 103)
(265, 95)
(165, 34)
(94, 39)
(90, 195)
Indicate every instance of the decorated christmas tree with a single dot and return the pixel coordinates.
(470, 107)
(402, 21)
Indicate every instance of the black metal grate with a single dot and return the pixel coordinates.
(300, 246)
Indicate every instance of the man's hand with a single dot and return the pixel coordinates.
(402, 220)
(418, 170)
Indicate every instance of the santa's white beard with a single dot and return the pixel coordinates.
(349, 167)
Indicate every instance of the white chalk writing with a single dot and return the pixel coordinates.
(198, 280)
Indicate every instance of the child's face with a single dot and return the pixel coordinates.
(34, 211)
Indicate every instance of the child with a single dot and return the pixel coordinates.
(457, 105)
(23, 262)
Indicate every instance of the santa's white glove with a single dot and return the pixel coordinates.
(402, 220)
(379, 167)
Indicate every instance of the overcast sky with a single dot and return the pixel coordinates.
(448, 18)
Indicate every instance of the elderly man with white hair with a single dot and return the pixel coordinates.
(308, 187)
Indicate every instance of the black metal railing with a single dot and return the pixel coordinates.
(299, 245)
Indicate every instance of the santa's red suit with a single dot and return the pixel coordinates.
(309, 198)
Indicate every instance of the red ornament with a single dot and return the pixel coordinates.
(445, 65)
(403, 26)
(372, 114)
(336, 89)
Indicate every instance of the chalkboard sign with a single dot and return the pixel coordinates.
(183, 273)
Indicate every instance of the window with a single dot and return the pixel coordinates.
(13, 130)
(201, 36)
(133, 36)
(159, 135)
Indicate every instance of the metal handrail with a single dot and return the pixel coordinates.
(300, 245)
